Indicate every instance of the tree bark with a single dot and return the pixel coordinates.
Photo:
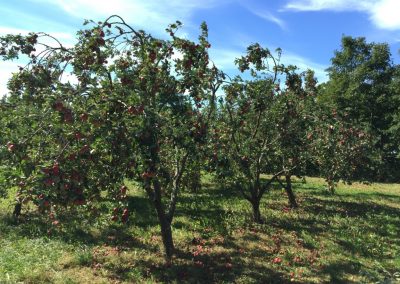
(17, 209)
(166, 231)
(256, 211)
(290, 193)
(331, 186)
(165, 225)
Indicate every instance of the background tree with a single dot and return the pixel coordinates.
(359, 89)
(292, 114)
(338, 149)
(242, 144)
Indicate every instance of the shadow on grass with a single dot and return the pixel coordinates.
(213, 267)
(338, 270)
(82, 230)
(348, 209)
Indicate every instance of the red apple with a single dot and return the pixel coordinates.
(132, 110)
(58, 106)
(84, 149)
(10, 147)
(49, 182)
(123, 190)
(84, 117)
(56, 169)
(277, 260)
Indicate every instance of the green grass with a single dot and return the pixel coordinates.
(349, 237)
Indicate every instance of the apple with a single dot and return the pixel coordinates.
(125, 215)
(79, 202)
(123, 190)
(84, 117)
(228, 265)
(132, 110)
(59, 106)
(147, 175)
(10, 147)
(56, 169)
(78, 136)
(68, 117)
(85, 148)
(152, 56)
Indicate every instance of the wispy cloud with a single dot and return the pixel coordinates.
(224, 59)
(258, 10)
(335, 5)
(384, 14)
(59, 35)
(155, 15)
(266, 15)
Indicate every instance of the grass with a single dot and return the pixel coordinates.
(349, 237)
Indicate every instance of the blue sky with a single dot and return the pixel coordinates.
(308, 31)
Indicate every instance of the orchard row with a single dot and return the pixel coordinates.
(159, 112)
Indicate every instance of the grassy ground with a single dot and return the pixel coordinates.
(350, 237)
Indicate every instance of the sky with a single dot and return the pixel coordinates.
(308, 31)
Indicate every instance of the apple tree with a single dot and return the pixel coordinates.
(242, 143)
(338, 149)
(292, 114)
(134, 108)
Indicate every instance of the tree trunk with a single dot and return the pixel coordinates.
(166, 231)
(165, 223)
(256, 211)
(331, 186)
(290, 193)
(17, 209)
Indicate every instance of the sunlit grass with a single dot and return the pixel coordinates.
(351, 236)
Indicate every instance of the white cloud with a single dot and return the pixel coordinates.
(59, 35)
(152, 14)
(258, 10)
(335, 5)
(384, 14)
(270, 17)
(6, 70)
(224, 59)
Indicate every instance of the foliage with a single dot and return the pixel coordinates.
(135, 112)
(244, 132)
(121, 105)
(338, 149)
(360, 90)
